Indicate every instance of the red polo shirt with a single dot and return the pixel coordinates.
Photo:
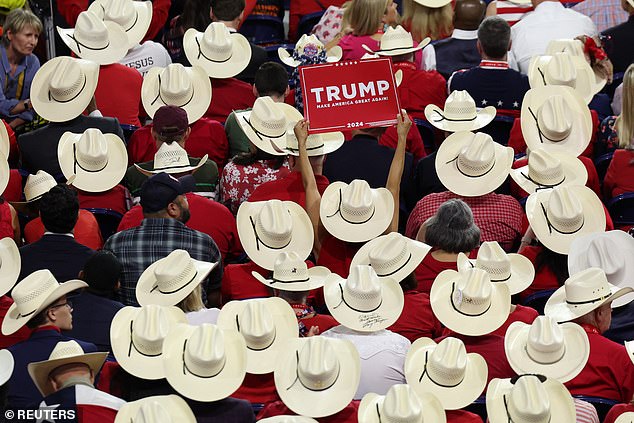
(239, 284)
(288, 188)
(420, 88)
(347, 415)
(337, 255)
(86, 230)
(13, 191)
(115, 199)
(462, 416)
(124, 102)
(257, 389)
(429, 268)
(520, 314)
(417, 319)
(228, 95)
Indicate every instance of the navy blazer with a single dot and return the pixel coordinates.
(59, 253)
(453, 54)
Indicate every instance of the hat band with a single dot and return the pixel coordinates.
(25, 315)
(76, 163)
(545, 362)
(589, 301)
(394, 271)
(467, 175)
(187, 369)
(551, 228)
(453, 287)
(343, 301)
(297, 378)
(443, 117)
(259, 241)
(542, 185)
(173, 167)
(540, 133)
(256, 349)
(132, 345)
(158, 95)
(425, 372)
(274, 280)
(508, 414)
(259, 133)
(80, 45)
(52, 97)
(307, 148)
(346, 220)
(492, 280)
(156, 287)
(394, 49)
(200, 53)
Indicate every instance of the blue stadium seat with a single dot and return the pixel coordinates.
(500, 128)
(261, 29)
(601, 163)
(128, 130)
(621, 209)
(107, 219)
(427, 133)
(538, 300)
(307, 22)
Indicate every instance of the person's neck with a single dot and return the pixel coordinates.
(76, 380)
(446, 256)
(276, 98)
(235, 24)
(465, 26)
(13, 56)
(495, 59)
(538, 2)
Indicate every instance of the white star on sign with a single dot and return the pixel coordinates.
(500, 103)
(484, 102)
(44, 416)
(516, 104)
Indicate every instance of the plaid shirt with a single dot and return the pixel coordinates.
(139, 247)
(604, 13)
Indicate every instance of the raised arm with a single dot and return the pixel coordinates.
(396, 168)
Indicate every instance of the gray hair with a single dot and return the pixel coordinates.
(17, 20)
(452, 228)
(494, 35)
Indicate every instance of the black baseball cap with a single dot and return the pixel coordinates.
(161, 189)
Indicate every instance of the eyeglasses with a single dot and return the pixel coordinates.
(68, 304)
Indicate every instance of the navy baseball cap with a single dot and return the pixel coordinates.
(161, 189)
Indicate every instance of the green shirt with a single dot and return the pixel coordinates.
(238, 141)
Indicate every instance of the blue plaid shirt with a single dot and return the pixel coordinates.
(139, 247)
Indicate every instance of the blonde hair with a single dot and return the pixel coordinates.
(193, 302)
(364, 16)
(625, 122)
(425, 21)
(17, 20)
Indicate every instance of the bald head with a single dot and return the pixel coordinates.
(468, 14)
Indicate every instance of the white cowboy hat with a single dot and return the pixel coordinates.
(575, 47)
(317, 376)
(5, 144)
(4, 173)
(93, 39)
(169, 280)
(557, 350)
(220, 53)
(467, 302)
(309, 46)
(6, 366)
(549, 169)
(133, 17)
(471, 164)
(609, 251)
(316, 144)
(32, 295)
(401, 404)
(288, 419)
(582, 293)
(355, 212)
(173, 159)
(266, 324)
(188, 88)
(63, 87)
(529, 399)
(445, 370)
(363, 302)
(137, 335)
(629, 347)
(433, 4)
(459, 113)
(204, 363)
(556, 117)
(627, 417)
(156, 409)
(268, 228)
(559, 215)
(562, 68)
(10, 265)
(397, 41)
(514, 270)
(64, 352)
(36, 186)
(290, 273)
(391, 256)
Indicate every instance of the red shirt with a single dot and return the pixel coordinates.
(420, 88)
(417, 319)
(287, 188)
(337, 255)
(616, 411)
(299, 8)
(239, 284)
(228, 95)
(124, 102)
(520, 314)
(86, 230)
(23, 333)
(257, 389)
(13, 191)
(347, 415)
(307, 318)
(544, 278)
(6, 220)
(115, 199)
(427, 271)
(619, 177)
(462, 416)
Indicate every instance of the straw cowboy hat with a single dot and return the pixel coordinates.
(556, 117)
(156, 409)
(549, 169)
(529, 399)
(288, 419)
(610, 251)
(63, 87)
(316, 144)
(34, 294)
(98, 161)
(188, 88)
(309, 46)
(471, 164)
(391, 256)
(133, 17)
(513, 270)
(355, 212)
(560, 215)
(401, 404)
(36, 186)
(445, 370)
(459, 113)
(266, 324)
(173, 159)
(10, 264)
(317, 376)
(220, 53)
(4, 173)
(4, 141)
(363, 302)
(433, 4)
(582, 293)
(6, 366)
(557, 350)
(290, 273)
(562, 68)
(467, 302)
(137, 335)
(575, 48)
(396, 42)
(268, 228)
(204, 363)
(627, 417)
(64, 352)
(93, 39)
(629, 347)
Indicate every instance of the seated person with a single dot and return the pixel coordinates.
(620, 53)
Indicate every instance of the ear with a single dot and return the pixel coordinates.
(255, 91)
(479, 47)
(172, 209)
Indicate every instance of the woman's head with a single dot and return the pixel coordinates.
(192, 302)
(365, 17)
(452, 228)
(21, 31)
(427, 21)
(625, 122)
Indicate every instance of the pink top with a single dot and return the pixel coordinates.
(352, 46)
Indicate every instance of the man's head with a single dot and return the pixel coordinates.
(59, 209)
(170, 125)
(102, 272)
(163, 196)
(59, 314)
(228, 11)
(271, 79)
(494, 38)
(600, 317)
(468, 14)
(316, 162)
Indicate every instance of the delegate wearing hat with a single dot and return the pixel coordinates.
(161, 408)
(459, 113)
(172, 159)
(309, 49)
(396, 42)
(401, 404)
(575, 48)
(290, 273)
(134, 17)
(562, 68)
(549, 169)
(158, 191)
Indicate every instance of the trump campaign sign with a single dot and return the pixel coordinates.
(348, 95)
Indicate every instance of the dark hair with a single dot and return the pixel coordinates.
(102, 272)
(195, 15)
(452, 228)
(557, 263)
(271, 79)
(409, 282)
(494, 35)
(39, 319)
(59, 209)
(248, 158)
(227, 10)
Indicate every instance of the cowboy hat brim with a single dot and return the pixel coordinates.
(628, 416)
(316, 279)
(271, 145)
(288, 419)
(433, 4)
(114, 52)
(239, 60)
(40, 370)
(398, 51)
(537, 76)
(575, 173)
(178, 409)
(6, 366)
(143, 18)
(5, 173)
(629, 347)
(436, 116)
(559, 310)
(522, 271)
(173, 170)
(316, 144)
(4, 141)
(371, 406)
(10, 264)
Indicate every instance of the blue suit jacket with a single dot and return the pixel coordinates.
(453, 54)
(60, 254)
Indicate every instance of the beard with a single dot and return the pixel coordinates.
(185, 215)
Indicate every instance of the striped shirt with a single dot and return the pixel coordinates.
(586, 413)
(512, 12)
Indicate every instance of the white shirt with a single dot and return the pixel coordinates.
(382, 356)
(550, 21)
(462, 34)
(144, 57)
(205, 315)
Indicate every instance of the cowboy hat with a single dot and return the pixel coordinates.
(471, 164)
(355, 212)
(317, 376)
(64, 352)
(557, 350)
(10, 264)
(559, 215)
(363, 302)
(5, 144)
(562, 68)
(513, 270)
(169, 280)
(396, 42)
(549, 169)
(288, 419)
(575, 47)
(629, 347)
(445, 370)
(36, 186)
(93, 39)
(391, 256)
(4, 173)
(290, 273)
(268, 228)
(459, 113)
(176, 85)
(627, 417)
(34, 294)
(529, 399)
(156, 409)
(173, 159)
(98, 161)
(610, 251)
(220, 53)
(316, 144)
(433, 4)
(467, 302)
(266, 324)
(204, 363)
(133, 17)
(582, 293)
(63, 87)
(6, 366)
(556, 117)
(309, 47)
(401, 404)
(137, 335)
